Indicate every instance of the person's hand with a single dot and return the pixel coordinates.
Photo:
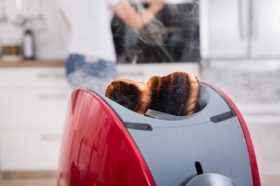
(134, 19)
(158, 4)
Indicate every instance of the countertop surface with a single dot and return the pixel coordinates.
(37, 63)
(60, 63)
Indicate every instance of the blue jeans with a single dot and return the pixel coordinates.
(93, 75)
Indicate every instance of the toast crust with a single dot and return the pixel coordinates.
(176, 93)
(132, 95)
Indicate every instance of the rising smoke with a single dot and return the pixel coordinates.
(171, 36)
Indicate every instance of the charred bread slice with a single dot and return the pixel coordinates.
(176, 93)
(132, 95)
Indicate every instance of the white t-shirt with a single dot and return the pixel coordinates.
(90, 27)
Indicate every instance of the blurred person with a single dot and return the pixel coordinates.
(92, 60)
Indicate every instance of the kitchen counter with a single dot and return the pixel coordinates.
(37, 63)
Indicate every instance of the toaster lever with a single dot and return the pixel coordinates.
(222, 117)
(138, 126)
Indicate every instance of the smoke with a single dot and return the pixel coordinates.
(171, 36)
(96, 77)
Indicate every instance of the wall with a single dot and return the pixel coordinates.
(51, 43)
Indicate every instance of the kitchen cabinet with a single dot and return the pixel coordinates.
(27, 107)
(33, 106)
(28, 150)
(239, 29)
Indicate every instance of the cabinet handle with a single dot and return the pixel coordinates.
(243, 19)
(51, 75)
(50, 137)
(52, 96)
(255, 19)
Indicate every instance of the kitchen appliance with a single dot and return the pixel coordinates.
(239, 29)
(28, 45)
(172, 36)
(106, 144)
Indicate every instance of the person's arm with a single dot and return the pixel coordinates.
(136, 19)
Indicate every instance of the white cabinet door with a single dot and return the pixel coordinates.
(26, 78)
(266, 28)
(224, 28)
(29, 150)
(33, 104)
(33, 108)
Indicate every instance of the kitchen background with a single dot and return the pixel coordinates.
(44, 19)
(234, 44)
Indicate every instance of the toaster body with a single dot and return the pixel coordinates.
(106, 144)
